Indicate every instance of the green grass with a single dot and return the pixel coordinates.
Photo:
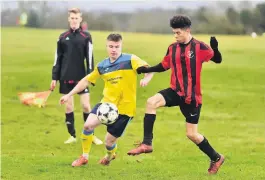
(232, 118)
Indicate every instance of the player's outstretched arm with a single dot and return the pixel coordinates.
(156, 68)
(217, 57)
(78, 88)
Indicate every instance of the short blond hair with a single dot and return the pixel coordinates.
(75, 11)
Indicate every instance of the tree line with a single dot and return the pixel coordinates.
(204, 19)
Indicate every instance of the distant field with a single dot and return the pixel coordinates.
(232, 118)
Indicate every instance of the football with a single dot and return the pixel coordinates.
(107, 113)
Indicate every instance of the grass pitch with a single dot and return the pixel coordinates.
(232, 117)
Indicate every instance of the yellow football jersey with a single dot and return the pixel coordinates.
(120, 78)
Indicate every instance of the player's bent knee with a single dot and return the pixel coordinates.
(192, 136)
(86, 108)
(151, 103)
(88, 127)
(69, 108)
(156, 101)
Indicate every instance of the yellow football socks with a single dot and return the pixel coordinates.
(86, 137)
(111, 151)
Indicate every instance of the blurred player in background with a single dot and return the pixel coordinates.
(73, 46)
(120, 77)
(184, 58)
(84, 26)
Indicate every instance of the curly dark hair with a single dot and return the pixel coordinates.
(180, 21)
(114, 37)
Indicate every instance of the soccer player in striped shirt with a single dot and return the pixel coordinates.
(184, 58)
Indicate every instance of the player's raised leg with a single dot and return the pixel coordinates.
(111, 147)
(153, 103)
(87, 137)
(85, 103)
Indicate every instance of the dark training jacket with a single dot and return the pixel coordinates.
(72, 48)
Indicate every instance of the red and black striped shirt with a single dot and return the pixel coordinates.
(185, 62)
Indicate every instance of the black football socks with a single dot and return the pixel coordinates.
(149, 120)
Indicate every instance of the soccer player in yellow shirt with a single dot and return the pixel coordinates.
(119, 72)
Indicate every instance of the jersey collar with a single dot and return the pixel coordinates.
(72, 31)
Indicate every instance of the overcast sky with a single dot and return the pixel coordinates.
(128, 6)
